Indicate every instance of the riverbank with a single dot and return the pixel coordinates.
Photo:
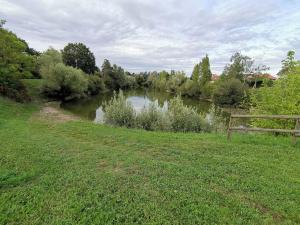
(78, 172)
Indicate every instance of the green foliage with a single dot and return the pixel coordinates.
(15, 64)
(152, 118)
(239, 68)
(207, 90)
(12, 87)
(283, 98)
(119, 112)
(196, 73)
(184, 118)
(205, 71)
(114, 76)
(2, 22)
(79, 56)
(229, 92)
(95, 85)
(176, 80)
(178, 117)
(289, 64)
(64, 82)
(190, 88)
(47, 60)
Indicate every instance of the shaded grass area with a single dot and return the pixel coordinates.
(83, 173)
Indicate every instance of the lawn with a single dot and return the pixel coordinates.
(78, 172)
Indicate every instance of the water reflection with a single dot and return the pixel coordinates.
(92, 108)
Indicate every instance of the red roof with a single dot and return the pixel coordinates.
(265, 75)
(215, 77)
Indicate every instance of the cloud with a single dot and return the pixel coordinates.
(154, 35)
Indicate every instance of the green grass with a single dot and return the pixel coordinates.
(83, 173)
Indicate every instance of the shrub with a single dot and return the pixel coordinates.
(178, 118)
(152, 118)
(207, 90)
(64, 82)
(282, 98)
(190, 88)
(12, 87)
(119, 112)
(184, 118)
(229, 92)
(95, 85)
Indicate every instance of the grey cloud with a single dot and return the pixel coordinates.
(153, 35)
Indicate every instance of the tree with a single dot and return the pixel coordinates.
(79, 56)
(229, 92)
(205, 71)
(48, 59)
(196, 73)
(282, 98)
(15, 64)
(2, 22)
(289, 64)
(64, 82)
(239, 68)
(114, 76)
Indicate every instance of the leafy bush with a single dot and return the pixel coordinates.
(64, 82)
(152, 118)
(190, 88)
(282, 98)
(119, 112)
(207, 90)
(95, 85)
(178, 118)
(229, 92)
(184, 118)
(12, 87)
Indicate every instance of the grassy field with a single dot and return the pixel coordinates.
(78, 172)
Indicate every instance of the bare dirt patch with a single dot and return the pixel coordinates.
(51, 112)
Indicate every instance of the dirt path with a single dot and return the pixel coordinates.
(51, 112)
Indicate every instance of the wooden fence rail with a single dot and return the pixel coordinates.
(295, 132)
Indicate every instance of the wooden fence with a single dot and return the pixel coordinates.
(294, 132)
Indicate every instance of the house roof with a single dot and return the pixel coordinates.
(215, 77)
(265, 75)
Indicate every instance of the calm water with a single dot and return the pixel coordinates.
(91, 108)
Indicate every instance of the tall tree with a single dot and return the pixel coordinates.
(196, 73)
(289, 64)
(79, 56)
(15, 63)
(205, 71)
(241, 66)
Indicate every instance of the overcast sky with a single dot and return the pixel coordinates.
(142, 35)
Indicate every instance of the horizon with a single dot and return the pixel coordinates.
(171, 35)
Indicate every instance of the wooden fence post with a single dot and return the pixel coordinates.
(229, 130)
(295, 135)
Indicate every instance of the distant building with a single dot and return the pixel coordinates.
(214, 78)
(261, 76)
(256, 80)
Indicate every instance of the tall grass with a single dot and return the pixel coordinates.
(178, 117)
